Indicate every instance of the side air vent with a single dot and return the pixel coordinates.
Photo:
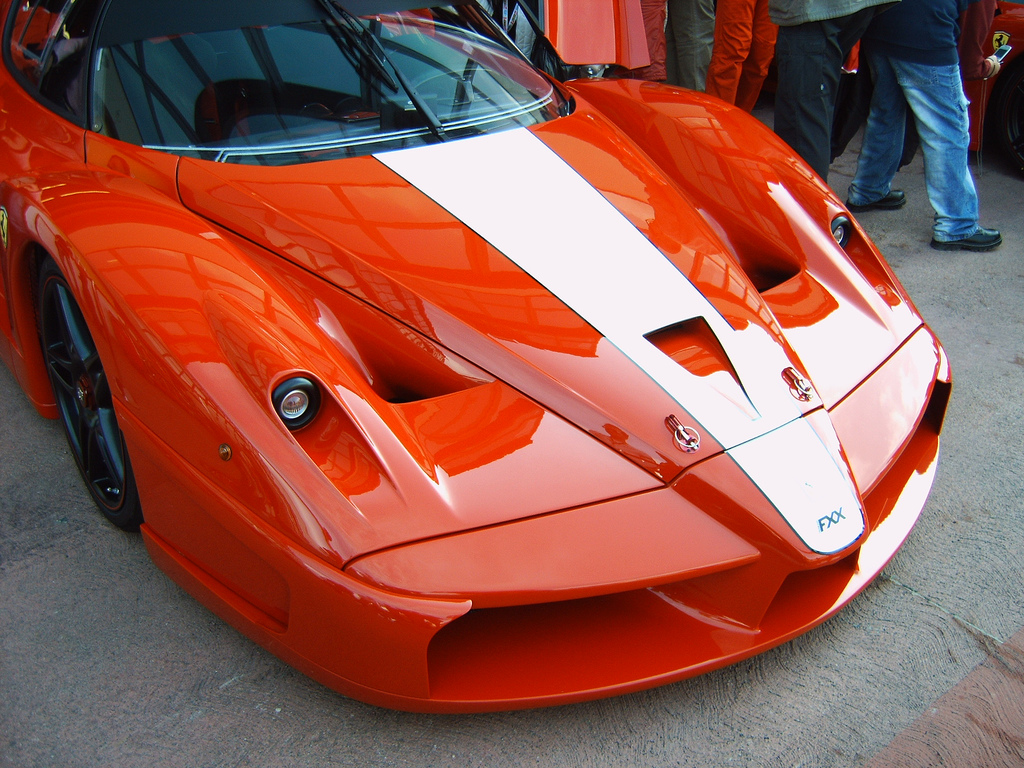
(766, 272)
(401, 365)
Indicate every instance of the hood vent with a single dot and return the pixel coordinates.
(694, 346)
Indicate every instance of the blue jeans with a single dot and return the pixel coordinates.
(935, 95)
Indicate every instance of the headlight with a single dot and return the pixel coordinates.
(841, 229)
(296, 401)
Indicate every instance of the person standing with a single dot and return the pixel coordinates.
(814, 39)
(921, 70)
(690, 34)
(743, 51)
(653, 12)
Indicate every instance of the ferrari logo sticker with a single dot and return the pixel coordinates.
(1000, 38)
(3, 226)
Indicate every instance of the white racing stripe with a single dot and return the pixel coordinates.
(522, 198)
(798, 473)
(516, 193)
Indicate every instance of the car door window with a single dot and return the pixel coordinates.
(48, 46)
(35, 23)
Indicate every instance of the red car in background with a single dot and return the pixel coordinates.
(997, 104)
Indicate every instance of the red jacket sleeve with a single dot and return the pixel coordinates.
(975, 28)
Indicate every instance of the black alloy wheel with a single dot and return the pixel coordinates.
(84, 401)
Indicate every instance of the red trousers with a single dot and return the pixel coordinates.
(654, 28)
(743, 50)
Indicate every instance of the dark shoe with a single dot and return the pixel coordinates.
(982, 240)
(892, 201)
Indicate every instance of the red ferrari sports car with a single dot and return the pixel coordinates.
(456, 386)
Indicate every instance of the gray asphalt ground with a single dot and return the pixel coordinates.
(105, 662)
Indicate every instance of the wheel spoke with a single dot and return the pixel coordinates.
(83, 427)
(109, 438)
(60, 351)
(61, 369)
(101, 468)
(101, 388)
(74, 330)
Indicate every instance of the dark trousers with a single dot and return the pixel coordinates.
(810, 58)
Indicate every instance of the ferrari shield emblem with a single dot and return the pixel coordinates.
(1000, 38)
(3, 226)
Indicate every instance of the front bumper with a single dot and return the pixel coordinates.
(487, 640)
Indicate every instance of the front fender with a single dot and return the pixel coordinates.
(153, 282)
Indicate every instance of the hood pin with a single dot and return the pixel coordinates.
(799, 387)
(687, 439)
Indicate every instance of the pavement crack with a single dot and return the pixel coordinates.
(972, 628)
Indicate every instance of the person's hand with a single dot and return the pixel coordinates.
(991, 67)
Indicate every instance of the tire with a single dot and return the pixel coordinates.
(84, 401)
(1009, 112)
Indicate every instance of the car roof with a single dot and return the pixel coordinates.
(126, 21)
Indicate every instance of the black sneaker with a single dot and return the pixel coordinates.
(895, 199)
(982, 240)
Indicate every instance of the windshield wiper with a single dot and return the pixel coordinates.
(366, 43)
(350, 27)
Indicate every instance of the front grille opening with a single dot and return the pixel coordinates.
(576, 645)
(622, 642)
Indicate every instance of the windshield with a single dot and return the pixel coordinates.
(321, 87)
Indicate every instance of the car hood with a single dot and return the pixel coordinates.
(565, 262)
